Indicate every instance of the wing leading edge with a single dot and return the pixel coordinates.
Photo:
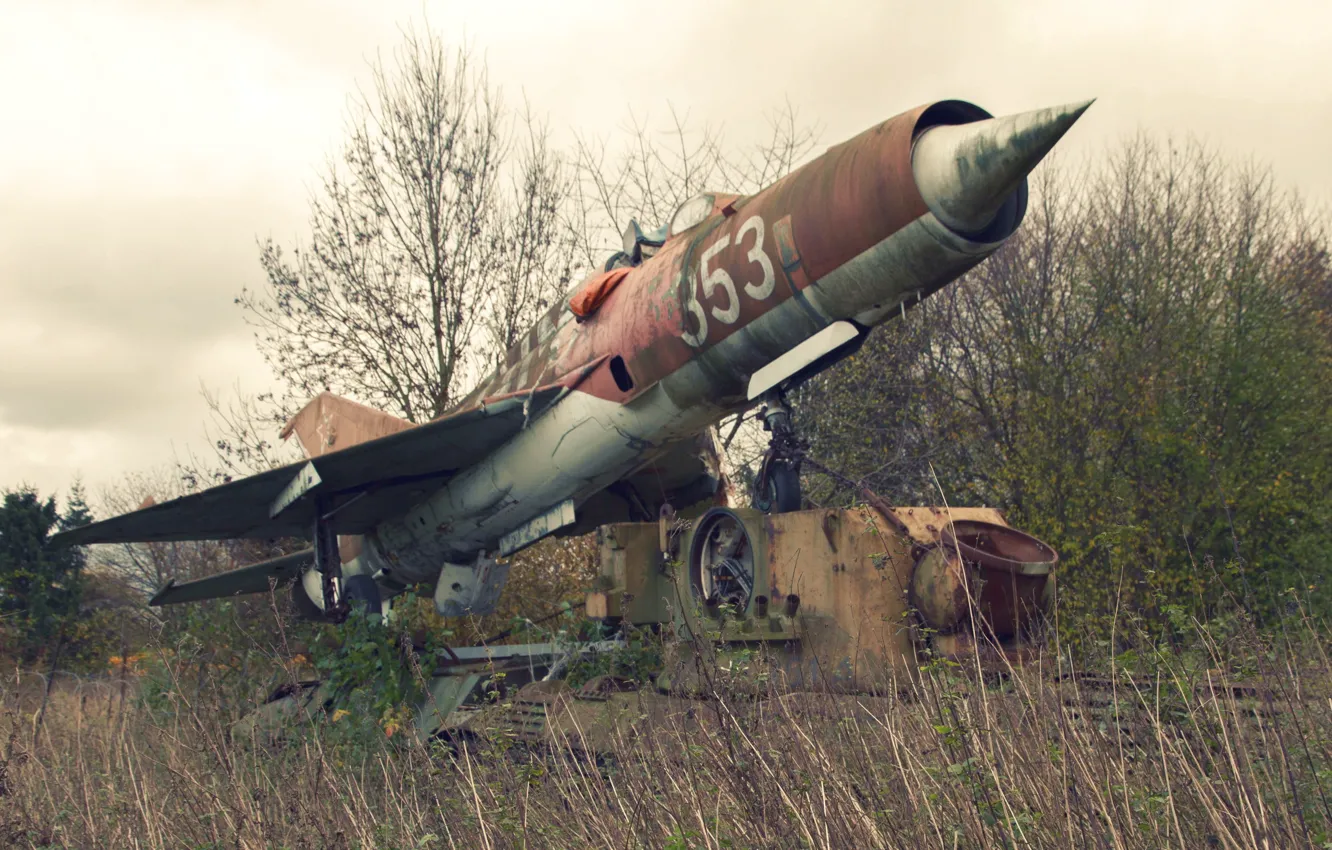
(359, 486)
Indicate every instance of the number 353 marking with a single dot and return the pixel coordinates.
(709, 281)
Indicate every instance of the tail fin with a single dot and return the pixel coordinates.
(330, 422)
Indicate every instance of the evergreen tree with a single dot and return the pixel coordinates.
(40, 585)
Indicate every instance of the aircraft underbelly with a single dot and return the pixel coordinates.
(572, 451)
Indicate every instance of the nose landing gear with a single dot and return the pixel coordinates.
(777, 485)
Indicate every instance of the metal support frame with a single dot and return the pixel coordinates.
(328, 561)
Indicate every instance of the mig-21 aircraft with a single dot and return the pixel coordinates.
(603, 412)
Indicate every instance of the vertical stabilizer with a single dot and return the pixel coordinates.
(330, 422)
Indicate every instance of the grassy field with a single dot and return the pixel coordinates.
(1156, 750)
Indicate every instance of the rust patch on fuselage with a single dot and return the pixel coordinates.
(715, 280)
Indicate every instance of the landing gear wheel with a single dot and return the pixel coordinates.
(777, 487)
(780, 492)
(362, 590)
(306, 609)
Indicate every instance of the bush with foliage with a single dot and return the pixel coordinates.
(1140, 377)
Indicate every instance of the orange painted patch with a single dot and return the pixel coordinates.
(586, 301)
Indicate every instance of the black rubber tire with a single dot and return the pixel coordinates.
(362, 590)
(782, 493)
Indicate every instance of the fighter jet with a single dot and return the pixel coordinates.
(602, 412)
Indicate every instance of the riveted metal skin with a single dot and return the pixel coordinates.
(846, 237)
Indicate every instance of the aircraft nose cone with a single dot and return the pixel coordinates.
(965, 172)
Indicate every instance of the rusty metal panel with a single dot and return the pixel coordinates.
(861, 191)
(924, 524)
(939, 588)
(852, 571)
(633, 584)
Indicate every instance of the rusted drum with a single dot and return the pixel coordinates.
(939, 586)
(1007, 572)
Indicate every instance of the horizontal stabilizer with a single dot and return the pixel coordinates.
(357, 487)
(256, 578)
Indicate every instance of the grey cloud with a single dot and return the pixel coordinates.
(115, 297)
(111, 307)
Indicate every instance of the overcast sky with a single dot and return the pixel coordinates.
(145, 144)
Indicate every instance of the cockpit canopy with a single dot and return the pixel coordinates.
(692, 212)
(640, 245)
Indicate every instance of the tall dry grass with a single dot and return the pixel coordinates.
(1168, 754)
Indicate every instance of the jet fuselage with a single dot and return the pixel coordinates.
(857, 236)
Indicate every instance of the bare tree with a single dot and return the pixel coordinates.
(444, 231)
(240, 430)
(414, 242)
(535, 262)
(147, 567)
(653, 169)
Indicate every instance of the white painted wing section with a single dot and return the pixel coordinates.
(305, 481)
(825, 341)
